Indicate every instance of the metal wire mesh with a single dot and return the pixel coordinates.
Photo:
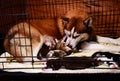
(105, 12)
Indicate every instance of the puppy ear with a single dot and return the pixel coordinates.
(88, 22)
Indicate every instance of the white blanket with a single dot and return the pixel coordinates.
(15, 66)
(29, 68)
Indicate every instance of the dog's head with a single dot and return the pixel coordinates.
(78, 30)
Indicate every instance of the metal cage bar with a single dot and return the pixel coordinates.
(105, 12)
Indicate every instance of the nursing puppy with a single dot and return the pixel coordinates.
(59, 49)
(111, 59)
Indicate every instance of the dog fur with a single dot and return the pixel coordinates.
(27, 38)
(79, 33)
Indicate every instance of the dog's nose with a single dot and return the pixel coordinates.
(69, 45)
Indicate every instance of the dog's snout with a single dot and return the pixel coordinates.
(69, 45)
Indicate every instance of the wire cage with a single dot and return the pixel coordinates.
(105, 12)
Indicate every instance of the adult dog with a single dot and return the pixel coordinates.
(25, 39)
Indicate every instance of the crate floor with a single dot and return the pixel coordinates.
(29, 68)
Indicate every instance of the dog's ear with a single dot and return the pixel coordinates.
(88, 22)
(66, 32)
(62, 21)
(65, 20)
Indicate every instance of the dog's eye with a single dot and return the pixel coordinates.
(65, 20)
(76, 35)
(65, 39)
(69, 35)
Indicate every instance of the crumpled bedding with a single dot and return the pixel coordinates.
(39, 68)
(20, 67)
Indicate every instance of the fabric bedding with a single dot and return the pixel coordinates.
(40, 68)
